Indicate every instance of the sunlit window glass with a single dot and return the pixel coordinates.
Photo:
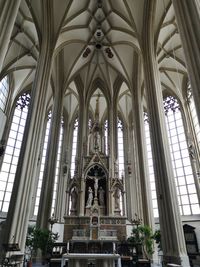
(120, 148)
(4, 87)
(74, 146)
(120, 155)
(12, 151)
(57, 169)
(106, 136)
(150, 166)
(184, 179)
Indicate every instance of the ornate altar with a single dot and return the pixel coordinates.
(94, 220)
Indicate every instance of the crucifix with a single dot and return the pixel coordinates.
(95, 178)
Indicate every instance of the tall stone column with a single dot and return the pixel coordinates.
(63, 206)
(8, 16)
(81, 142)
(173, 242)
(147, 208)
(112, 150)
(21, 199)
(188, 19)
(142, 167)
(63, 194)
(46, 197)
(133, 194)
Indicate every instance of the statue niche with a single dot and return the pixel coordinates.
(95, 191)
(94, 142)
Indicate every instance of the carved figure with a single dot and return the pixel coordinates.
(116, 196)
(90, 197)
(74, 197)
(96, 140)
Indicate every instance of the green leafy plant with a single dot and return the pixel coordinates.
(42, 239)
(142, 239)
(157, 238)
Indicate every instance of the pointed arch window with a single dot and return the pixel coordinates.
(12, 151)
(4, 88)
(150, 166)
(58, 165)
(106, 136)
(184, 179)
(74, 147)
(120, 147)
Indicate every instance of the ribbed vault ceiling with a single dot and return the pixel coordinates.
(98, 42)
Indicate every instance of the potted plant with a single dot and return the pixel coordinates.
(39, 240)
(142, 239)
(157, 238)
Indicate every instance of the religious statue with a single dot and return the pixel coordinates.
(89, 150)
(97, 140)
(101, 196)
(74, 197)
(116, 196)
(95, 184)
(90, 197)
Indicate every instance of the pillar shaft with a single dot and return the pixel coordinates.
(44, 212)
(142, 167)
(46, 197)
(173, 242)
(66, 160)
(147, 209)
(81, 149)
(112, 151)
(21, 199)
(188, 19)
(133, 196)
(8, 16)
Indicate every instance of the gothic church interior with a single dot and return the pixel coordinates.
(99, 115)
